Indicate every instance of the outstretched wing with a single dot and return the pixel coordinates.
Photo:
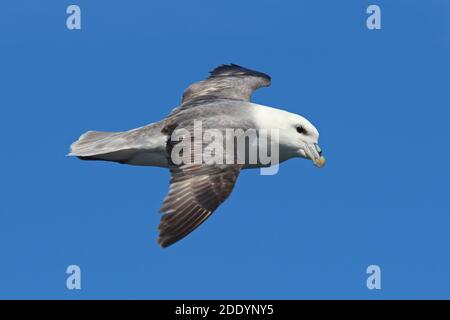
(195, 192)
(227, 82)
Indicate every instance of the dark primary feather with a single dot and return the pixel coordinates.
(195, 192)
(235, 70)
(227, 82)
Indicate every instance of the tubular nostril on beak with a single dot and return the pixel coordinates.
(319, 151)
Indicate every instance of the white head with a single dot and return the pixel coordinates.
(297, 136)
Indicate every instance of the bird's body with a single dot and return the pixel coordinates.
(146, 146)
(220, 103)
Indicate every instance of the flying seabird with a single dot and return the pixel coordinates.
(220, 102)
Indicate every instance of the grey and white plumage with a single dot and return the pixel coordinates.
(196, 190)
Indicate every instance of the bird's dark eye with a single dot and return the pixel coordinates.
(301, 130)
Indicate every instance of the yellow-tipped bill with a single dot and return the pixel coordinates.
(320, 162)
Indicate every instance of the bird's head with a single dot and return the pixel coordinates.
(297, 136)
(305, 140)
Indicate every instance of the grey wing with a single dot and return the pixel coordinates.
(195, 192)
(227, 82)
(196, 189)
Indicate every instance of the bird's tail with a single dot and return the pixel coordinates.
(95, 145)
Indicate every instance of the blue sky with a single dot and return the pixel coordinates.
(380, 100)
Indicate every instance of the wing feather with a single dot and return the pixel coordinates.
(227, 82)
(204, 188)
(196, 190)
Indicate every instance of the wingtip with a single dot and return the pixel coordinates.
(229, 69)
(164, 243)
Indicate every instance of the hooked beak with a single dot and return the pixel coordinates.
(315, 154)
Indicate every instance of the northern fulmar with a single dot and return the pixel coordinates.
(219, 103)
